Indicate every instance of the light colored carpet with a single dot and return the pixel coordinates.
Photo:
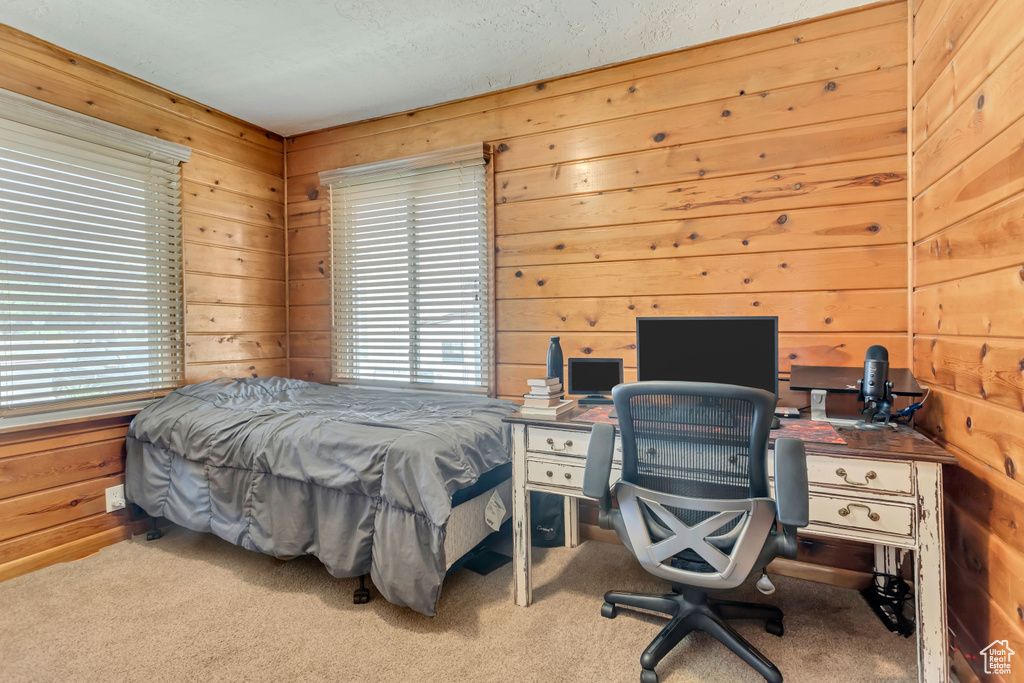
(193, 607)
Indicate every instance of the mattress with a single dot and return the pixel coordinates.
(468, 524)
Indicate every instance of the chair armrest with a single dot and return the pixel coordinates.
(791, 498)
(598, 470)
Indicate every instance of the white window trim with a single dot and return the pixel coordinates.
(405, 163)
(22, 423)
(56, 119)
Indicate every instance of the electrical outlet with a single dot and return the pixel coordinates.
(115, 498)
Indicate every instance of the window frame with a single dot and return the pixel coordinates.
(488, 367)
(80, 128)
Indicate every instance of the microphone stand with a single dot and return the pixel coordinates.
(876, 406)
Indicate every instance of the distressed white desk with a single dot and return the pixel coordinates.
(882, 487)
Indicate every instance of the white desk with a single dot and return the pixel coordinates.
(882, 487)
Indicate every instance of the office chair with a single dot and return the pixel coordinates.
(694, 505)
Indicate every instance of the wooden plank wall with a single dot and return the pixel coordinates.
(52, 492)
(764, 174)
(52, 481)
(968, 298)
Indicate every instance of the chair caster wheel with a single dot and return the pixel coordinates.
(154, 535)
(648, 676)
(774, 626)
(609, 611)
(361, 596)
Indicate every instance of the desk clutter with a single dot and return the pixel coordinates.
(545, 398)
(805, 430)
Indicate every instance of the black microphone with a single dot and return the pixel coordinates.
(875, 388)
(876, 373)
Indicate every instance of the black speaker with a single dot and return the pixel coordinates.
(547, 515)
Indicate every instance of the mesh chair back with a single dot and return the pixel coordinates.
(693, 496)
(696, 440)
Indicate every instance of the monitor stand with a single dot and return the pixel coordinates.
(818, 410)
(594, 400)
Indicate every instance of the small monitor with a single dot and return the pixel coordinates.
(724, 350)
(594, 378)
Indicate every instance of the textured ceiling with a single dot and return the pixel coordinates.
(298, 65)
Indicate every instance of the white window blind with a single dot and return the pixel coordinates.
(91, 301)
(409, 245)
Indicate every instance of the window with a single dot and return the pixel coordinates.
(410, 269)
(91, 301)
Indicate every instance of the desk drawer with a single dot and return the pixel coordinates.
(546, 440)
(570, 475)
(554, 474)
(862, 515)
(858, 473)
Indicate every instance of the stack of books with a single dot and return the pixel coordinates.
(545, 399)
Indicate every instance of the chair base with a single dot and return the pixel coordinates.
(691, 610)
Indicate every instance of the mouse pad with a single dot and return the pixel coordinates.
(805, 430)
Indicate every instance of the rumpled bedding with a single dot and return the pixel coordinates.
(362, 478)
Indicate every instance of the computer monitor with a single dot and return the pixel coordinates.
(726, 350)
(594, 377)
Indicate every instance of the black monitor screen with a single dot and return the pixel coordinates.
(743, 351)
(594, 375)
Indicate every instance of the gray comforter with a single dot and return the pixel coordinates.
(361, 478)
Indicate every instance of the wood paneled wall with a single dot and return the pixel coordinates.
(52, 493)
(968, 298)
(765, 174)
(52, 481)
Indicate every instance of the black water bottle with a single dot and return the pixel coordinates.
(555, 362)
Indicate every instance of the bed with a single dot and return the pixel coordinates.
(394, 484)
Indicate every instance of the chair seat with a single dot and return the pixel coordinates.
(691, 561)
(774, 546)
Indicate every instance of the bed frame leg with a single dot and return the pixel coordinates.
(154, 533)
(362, 594)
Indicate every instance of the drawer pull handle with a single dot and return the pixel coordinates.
(567, 444)
(550, 473)
(867, 477)
(568, 475)
(873, 516)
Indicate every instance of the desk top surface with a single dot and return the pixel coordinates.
(902, 443)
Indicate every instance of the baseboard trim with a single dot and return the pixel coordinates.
(833, 576)
(75, 550)
(963, 670)
(590, 532)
